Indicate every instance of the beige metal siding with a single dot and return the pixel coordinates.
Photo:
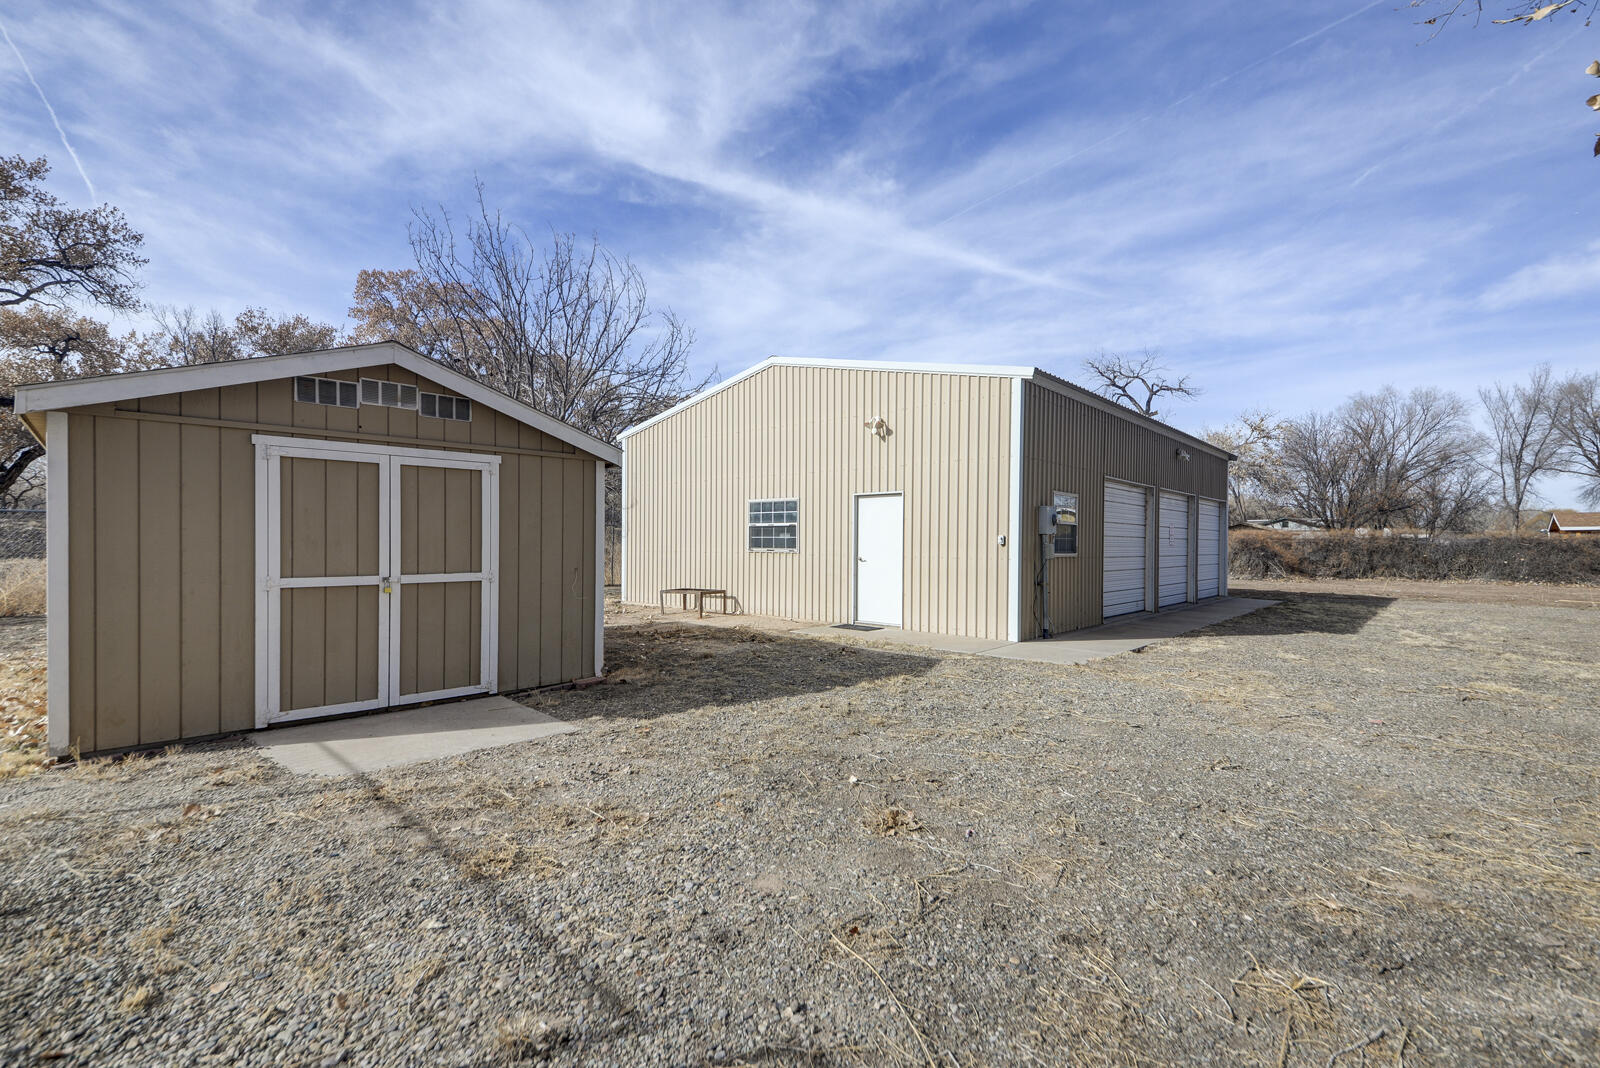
(1073, 445)
(796, 431)
(162, 555)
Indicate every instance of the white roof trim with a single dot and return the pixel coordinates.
(1031, 374)
(131, 385)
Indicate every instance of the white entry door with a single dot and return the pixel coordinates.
(375, 584)
(880, 558)
(1172, 554)
(1208, 580)
(1123, 570)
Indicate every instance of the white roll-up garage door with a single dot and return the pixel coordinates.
(1172, 554)
(1124, 568)
(1208, 581)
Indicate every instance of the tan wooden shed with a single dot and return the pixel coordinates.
(236, 545)
(910, 495)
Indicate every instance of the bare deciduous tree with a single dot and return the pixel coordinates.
(1386, 459)
(1578, 424)
(1137, 381)
(565, 328)
(51, 254)
(1526, 439)
(1253, 438)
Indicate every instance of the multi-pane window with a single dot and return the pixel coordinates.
(439, 406)
(774, 525)
(388, 394)
(329, 391)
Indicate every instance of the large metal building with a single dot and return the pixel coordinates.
(236, 545)
(916, 495)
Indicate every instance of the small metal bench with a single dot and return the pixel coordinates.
(699, 593)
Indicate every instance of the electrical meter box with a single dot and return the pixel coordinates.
(1058, 524)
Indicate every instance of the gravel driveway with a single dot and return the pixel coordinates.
(1348, 823)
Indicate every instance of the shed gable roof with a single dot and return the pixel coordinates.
(1566, 519)
(133, 385)
(1030, 374)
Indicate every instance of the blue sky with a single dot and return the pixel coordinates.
(1292, 202)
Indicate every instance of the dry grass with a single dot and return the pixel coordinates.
(22, 715)
(894, 821)
(22, 587)
(1090, 1017)
(137, 999)
(525, 1036)
(508, 858)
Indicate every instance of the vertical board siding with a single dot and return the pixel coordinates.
(162, 561)
(82, 530)
(200, 523)
(1074, 446)
(801, 432)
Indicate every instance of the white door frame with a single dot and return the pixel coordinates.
(270, 451)
(855, 555)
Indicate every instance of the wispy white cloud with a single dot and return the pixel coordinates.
(983, 183)
(1551, 279)
(54, 119)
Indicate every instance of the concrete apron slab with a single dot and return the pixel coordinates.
(1075, 647)
(387, 739)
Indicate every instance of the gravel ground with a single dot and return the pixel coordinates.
(1349, 821)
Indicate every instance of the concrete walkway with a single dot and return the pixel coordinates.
(1074, 647)
(359, 744)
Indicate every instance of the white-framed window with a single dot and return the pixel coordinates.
(1065, 542)
(388, 394)
(773, 525)
(439, 406)
(330, 391)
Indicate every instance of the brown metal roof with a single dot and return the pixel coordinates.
(1566, 519)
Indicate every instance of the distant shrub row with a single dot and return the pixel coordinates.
(1346, 554)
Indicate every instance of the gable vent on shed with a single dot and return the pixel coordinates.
(388, 394)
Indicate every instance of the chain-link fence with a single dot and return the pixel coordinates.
(21, 533)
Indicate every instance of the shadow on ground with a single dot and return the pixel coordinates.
(1301, 612)
(660, 669)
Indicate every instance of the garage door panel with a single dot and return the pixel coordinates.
(1173, 549)
(1208, 580)
(1123, 548)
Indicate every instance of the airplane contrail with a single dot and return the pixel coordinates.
(1297, 42)
(43, 100)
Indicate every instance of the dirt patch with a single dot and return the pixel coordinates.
(1359, 827)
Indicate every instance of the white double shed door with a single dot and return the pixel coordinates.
(375, 570)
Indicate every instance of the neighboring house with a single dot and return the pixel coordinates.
(1563, 521)
(910, 495)
(234, 545)
(1286, 522)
